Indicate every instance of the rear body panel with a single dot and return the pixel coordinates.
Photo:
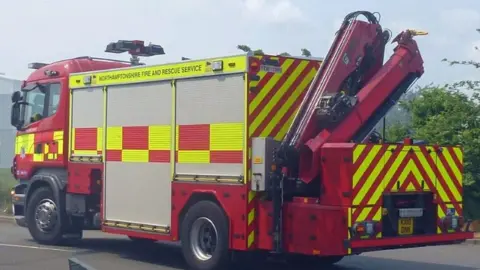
(383, 169)
(382, 182)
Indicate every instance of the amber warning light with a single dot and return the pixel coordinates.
(36, 65)
(135, 48)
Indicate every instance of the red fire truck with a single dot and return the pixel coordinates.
(241, 153)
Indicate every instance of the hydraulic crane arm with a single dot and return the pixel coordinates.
(351, 92)
(374, 100)
(357, 53)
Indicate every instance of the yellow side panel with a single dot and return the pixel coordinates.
(159, 137)
(232, 64)
(194, 157)
(226, 136)
(114, 138)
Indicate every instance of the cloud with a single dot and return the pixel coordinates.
(273, 11)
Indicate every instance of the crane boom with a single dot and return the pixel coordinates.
(351, 92)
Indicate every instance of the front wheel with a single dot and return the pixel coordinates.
(204, 237)
(43, 217)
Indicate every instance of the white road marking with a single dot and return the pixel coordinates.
(34, 247)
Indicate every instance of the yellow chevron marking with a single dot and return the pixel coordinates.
(448, 181)
(251, 216)
(368, 160)
(303, 85)
(276, 98)
(452, 165)
(459, 153)
(251, 239)
(372, 177)
(358, 151)
(268, 86)
(288, 103)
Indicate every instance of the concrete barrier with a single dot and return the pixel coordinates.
(75, 264)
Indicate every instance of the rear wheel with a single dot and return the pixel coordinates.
(204, 232)
(43, 217)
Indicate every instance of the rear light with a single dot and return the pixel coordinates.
(366, 229)
(254, 65)
(452, 223)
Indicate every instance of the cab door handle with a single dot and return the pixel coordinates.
(39, 148)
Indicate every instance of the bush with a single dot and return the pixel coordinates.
(6, 183)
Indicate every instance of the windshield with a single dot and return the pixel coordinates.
(39, 101)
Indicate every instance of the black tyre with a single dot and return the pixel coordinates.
(44, 218)
(204, 237)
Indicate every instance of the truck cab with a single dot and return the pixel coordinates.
(40, 114)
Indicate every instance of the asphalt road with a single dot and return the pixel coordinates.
(101, 251)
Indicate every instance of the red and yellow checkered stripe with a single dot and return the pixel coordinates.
(273, 99)
(138, 144)
(50, 144)
(390, 168)
(87, 141)
(210, 143)
(204, 143)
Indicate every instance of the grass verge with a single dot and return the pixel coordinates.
(6, 183)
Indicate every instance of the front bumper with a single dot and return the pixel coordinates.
(398, 242)
(18, 207)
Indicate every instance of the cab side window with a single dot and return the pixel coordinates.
(42, 102)
(53, 94)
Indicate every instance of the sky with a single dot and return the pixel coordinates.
(52, 30)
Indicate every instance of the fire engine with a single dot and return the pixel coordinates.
(245, 153)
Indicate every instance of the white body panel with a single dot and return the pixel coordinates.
(138, 192)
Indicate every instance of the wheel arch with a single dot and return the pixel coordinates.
(55, 179)
(195, 197)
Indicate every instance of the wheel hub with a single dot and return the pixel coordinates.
(203, 238)
(46, 215)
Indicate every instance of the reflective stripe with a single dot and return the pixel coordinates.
(185, 69)
(51, 146)
(139, 144)
(87, 141)
(211, 143)
(386, 168)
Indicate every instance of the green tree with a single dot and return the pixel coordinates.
(306, 53)
(465, 84)
(449, 117)
(397, 131)
(247, 49)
